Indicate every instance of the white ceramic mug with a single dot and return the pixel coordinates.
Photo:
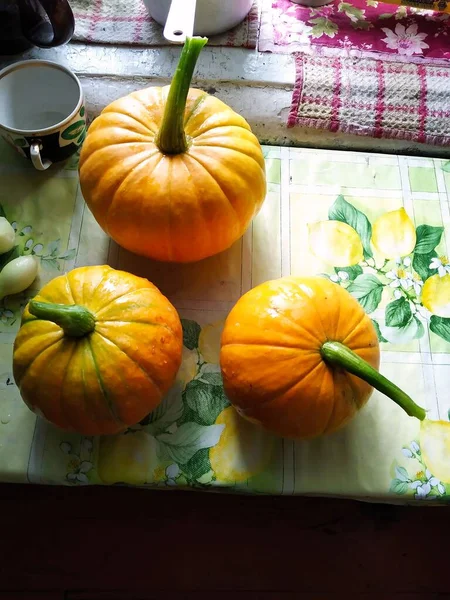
(211, 16)
(42, 112)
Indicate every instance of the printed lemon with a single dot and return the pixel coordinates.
(436, 295)
(243, 451)
(209, 342)
(394, 234)
(188, 367)
(127, 458)
(435, 448)
(335, 243)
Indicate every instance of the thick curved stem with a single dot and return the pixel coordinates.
(338, 355)
(75, 321)
(171, 138)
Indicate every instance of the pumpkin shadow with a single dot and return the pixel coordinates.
(217, 279)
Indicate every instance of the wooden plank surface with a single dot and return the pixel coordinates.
(121, 544)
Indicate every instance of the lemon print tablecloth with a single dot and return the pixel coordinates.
(377, 225)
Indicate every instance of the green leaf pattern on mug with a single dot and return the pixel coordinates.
(75, 132)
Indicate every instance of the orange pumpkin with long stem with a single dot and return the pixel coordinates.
(173, 173)
(97, 350)
(300, 357)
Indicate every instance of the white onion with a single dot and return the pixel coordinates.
(7, 236)
(17, 275)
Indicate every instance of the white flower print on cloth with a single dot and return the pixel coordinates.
(78, 474)
(424, 484)
(6, 315)
(412, 450)
(172, 472)
(77, 468)
(399, 276)
(340, 276)
(405, 40)
(417, 283)
(442, 264)
(403, 278)
(423, 488)
(293, 29)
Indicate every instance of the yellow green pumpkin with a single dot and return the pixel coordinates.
(97, 350)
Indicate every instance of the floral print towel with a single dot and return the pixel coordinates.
(362, 28)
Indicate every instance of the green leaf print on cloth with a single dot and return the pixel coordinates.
(400, 273)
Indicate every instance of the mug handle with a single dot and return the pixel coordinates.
(61, 19)
(180, 21)
(36, 159)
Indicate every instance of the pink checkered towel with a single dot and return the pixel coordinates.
(128, 22)
(373, 97)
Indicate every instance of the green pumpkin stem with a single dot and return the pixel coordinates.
(75, 320)
(338, 355)
(171, 138)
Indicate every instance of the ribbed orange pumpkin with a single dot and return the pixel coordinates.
(97, 350)
(171, 179)
(289, 347)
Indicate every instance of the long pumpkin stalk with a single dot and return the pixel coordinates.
(75, 320)
(338, 355)
(171, 138)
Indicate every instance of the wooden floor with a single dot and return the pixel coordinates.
(123, 544)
